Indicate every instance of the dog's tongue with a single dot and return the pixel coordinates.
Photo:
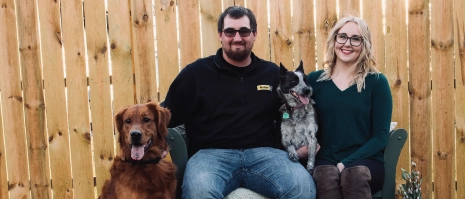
(304, 99)
(137, 152)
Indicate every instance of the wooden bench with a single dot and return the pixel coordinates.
(392, 151)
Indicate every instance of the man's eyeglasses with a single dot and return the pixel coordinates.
(354, 41)
(231, 32)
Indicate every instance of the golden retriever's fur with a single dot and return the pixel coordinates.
(139, 171)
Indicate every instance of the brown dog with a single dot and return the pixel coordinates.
(139, 171)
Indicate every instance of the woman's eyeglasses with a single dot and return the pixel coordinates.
(354, 41)
(231, 32)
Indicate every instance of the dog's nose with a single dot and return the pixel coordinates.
(306, 91)
(135, 135)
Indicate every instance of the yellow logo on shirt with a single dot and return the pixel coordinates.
(264, 88)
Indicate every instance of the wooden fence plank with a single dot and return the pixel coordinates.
(261, 47)
(189, 31)
(396, 70)
(442, 62)
(304, 34)
(168, 65)
(34, 107)
(144, 51)
(99, 83)
(227, 3)
(209, 13)
(119, 34)
(78, 99)
(11, 128)
(55, 100)
(281, 33)
(459, 48)
(3, 169)
(373, 15)
(351, 7)
(326, 17)
(420, 92)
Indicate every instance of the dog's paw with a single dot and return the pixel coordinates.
(294, 157)
(310, 168)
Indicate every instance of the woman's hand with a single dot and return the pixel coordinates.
(340, 166)
(302, 152)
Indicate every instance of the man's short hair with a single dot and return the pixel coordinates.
(237, 12)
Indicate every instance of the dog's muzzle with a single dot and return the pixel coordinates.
(138, 149)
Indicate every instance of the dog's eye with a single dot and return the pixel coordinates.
(128, 121)
(146, 119)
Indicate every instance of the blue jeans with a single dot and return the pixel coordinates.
(214, 173)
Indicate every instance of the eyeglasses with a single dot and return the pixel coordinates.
(354, 41)
(231, 32)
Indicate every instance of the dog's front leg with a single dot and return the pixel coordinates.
(292, 153)
(311, 154)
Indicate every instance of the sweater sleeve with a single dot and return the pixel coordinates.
(181, 97)
(380, 116)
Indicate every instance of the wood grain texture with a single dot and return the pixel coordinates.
(168, 63)
(261, 47)
(396, 69)
(420, 92)
(34, 108)
(351, 7)
(304, 34)
(99, 84)
(55, 99)
(78, 99)
(459, 51)
(144, 51)
(281, 33)
(209, 13)
(326, 17)
(189, 31)
(443, 112)
(11, 104)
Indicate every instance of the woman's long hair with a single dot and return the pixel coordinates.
(365, 62)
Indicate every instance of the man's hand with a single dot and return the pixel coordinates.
(302, 152)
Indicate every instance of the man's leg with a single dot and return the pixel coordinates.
(270, 172)
(212, 173)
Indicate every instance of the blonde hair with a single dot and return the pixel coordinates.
(365, 62)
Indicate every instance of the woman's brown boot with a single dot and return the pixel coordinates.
(327, 179)
(355, 182)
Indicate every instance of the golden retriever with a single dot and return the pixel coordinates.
(139, 170)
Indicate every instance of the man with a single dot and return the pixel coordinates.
(228, 104)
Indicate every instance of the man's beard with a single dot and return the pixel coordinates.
(238, 55)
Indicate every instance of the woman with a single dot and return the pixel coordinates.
(354, 108)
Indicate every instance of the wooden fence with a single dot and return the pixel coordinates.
(66, 66)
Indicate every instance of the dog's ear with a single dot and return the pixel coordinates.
(282, 69)
(162, 118)
(301, 67)
(119, 119)
(119, 124)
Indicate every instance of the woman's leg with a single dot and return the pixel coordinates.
(327, 179)
(376, 170)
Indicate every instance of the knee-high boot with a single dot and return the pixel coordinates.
(355, 183)
(327, 179)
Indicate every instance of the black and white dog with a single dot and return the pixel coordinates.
(298, 126)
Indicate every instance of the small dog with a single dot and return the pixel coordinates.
(139, 170)
(298, 126)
